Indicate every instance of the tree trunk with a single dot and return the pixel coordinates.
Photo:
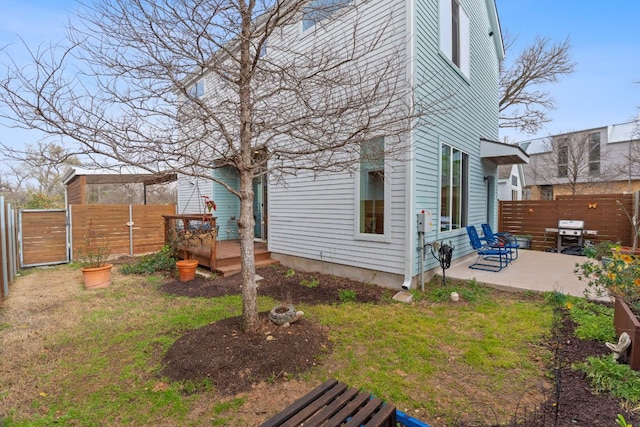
(247, 259)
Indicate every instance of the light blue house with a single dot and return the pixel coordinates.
(364, 224)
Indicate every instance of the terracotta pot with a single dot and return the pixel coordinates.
(626, 321)
(97, 277)
(187, 269)
(626, 250)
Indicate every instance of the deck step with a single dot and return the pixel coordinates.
(258, 256)
(230, 270)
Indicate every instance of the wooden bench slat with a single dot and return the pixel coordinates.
(316, 406)
(333, 404)
(351, 408)
(299, 404)
(385, 417)
(331, 408)
(365, 413)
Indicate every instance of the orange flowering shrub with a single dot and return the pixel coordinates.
(620, 277)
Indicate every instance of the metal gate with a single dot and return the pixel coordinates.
(43, 237)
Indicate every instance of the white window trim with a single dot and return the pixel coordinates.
(370, 237)
(465, 213)
(312, 28)
(446, 43)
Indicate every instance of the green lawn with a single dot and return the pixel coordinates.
(437, 360)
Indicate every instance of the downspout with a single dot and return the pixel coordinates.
(410, 217)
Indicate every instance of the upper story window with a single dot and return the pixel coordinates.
(318, 10)
(455, 34)
(563, 158)
(594, 154)
(197, 89)
(514, 180)
(454, 179)
(263, 49)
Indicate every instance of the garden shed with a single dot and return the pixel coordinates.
(76, 179)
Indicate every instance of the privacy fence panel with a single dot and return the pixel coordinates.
(128, 229)
(600, 213)
(43, 236)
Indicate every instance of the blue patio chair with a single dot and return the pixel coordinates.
(490, 257)
(508, 240)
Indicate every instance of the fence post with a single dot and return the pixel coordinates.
(3, 240)
(130, 224)
(13, 250)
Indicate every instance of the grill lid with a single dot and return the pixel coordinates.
(571, 224)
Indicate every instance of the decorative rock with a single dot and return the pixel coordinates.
(455, 296)
(297, 317)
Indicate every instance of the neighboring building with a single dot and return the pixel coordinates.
(591, 161)
(510, 182)
(364, 225)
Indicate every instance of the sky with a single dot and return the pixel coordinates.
(603, 35)
(605, 45)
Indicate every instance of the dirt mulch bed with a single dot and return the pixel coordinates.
(234, 361)
(573, 402)
(284, 285)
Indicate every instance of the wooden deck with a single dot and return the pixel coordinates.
(227, 257)
(222, 257)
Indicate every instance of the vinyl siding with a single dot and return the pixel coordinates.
(467, 110)
(316, 217)
(190, 192)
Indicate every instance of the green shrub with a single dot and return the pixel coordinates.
(595, 321)
(347, 295)
(608, 376)
(161, 261)
(310, 283)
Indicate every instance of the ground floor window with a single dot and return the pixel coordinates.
(454, 178)
(372, 187)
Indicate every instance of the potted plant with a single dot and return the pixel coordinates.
(620, 279)
(601, 251)
(524, 240)
(93, 257)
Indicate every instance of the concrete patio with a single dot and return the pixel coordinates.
(533, 270)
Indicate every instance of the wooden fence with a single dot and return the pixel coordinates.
(32, 237)
(599, 212)
(128, 229)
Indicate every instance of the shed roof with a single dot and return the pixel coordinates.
(118, 175)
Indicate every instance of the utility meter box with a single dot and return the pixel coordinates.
(425, 222)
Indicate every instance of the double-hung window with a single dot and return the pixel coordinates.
(454, 179)
(372, 188)
(563, 158)
(318, 10)
(455, 36)
(197, 89)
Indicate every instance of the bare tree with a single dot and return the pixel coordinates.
(573, 160)
(523, 105)
(184, 86)
(36, 174)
